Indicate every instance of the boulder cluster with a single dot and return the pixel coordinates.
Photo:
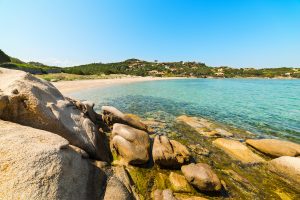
(131, 143)
(285, 155)
(55, 147)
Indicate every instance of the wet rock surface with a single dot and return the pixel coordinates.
(237, 151)
(275, 147)
(184, 197)
(179, 183)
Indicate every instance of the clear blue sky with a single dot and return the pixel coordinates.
(237, 33)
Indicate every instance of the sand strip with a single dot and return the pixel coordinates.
(68, 87)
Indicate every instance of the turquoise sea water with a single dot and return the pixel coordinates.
(269, 108)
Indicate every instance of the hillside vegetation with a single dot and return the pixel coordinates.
(185, 69)
(3, 57)
(137, 67)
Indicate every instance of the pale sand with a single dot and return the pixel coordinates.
(68, 87)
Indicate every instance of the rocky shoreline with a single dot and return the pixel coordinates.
(55, 147)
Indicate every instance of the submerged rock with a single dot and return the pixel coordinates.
(179, 183)
(202, 177)
(197, 149)
(111, 115)
(288, 167)
(131, 144)
(203, 126)
(274, 147)
(240, 180)
(181, 196)
(164, 195)
(237, 151)
(36, 164)
(169, 153)
(29, 101)
(161, 181)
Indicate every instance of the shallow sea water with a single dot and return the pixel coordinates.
(269, 108)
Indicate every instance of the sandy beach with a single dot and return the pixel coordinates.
(67, 87)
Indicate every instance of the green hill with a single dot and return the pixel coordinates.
(3, 57)
(144, 68)
(183, 69)
(31, 67)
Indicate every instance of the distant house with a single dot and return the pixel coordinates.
(287, 74)
(220, 74)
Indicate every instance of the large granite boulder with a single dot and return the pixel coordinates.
(131, 144)
(287, 167)
(116, 190)
(36, 164)
(111, 115)
(30, 101)
(169, 153)
(274, 147)
(237, 151)
(201, 176)
(121, 173)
